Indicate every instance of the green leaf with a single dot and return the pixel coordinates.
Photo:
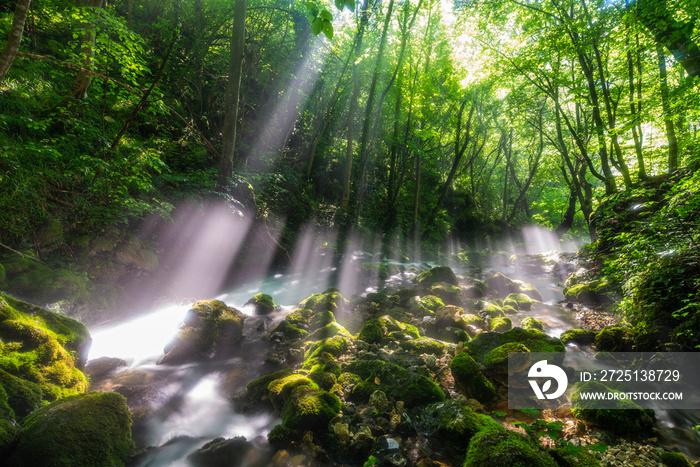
(350, 4)
(326, 15)
(498, 414)
(598, 447)
(530, 411)
(340, 4)
(310, 5)
(317, 26)
(328, 29)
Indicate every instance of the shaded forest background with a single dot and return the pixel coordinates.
(413, 122)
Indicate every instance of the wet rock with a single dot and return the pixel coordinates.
(499, 285)
(435, 275)
(210, 329)
(614, 339)
(477, 289)
(532, 323)
(501, 448)
(454, 424)
(535, 341)
(379, 401)
(519, 301)
(221, 452)
(470, 380)
(579, 336)
(309, 408)
(103, 366)
(448, 293)
(263, 303)
(500, 324)
(496, 361)
(589, 293)
(618, 415)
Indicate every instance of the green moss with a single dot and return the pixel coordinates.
(455, 424)
(581, 459)
(92, 429)
(8, 434)
(329, 330)
(336, 346)
(431, 302)
(424, 345)
(614, 339)
(372, 332)
(257, 391)
(519, 301)
(377, 270)
(210, 329)
(623, 416)
(309, 408)
(448, 293)
(493, 311)
(535, 341)
(290, 331)
(501, 448)
(499, 285)
(433, 276)
(397, 382)
(468, 376)
(22, 396)
(579, 336)
(497, 359)
(532, 323)
(279, 390)
(330, 300)
(675, 459)
(589, 293)
(281, 437)
(263, 303)
(501, 324)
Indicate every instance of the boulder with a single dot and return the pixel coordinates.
(620, 416)
(502, 448)
(469, 378)
(435, 275)
(454, 424)
(210, 329)
(263, 304)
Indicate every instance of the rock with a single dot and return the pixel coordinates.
(448, 293)
(535, 341)
(290, 331)
(532, 323)
(424, 345)
(379, 401)
(279, 390)
(469, 378)
(210, 329)
(431, 303)
(386, 329)
(579, 336)
(589, 293)
(500, 324)
(519, 301)
(475, 290)
(614, 339)
(500, 286)
(492, 310)
(501, 448)
(330, 300)
(448, 315)
(256, 390)
(102, 366)
(90, 429)
(263, 303)
(496, 361)
(675, 459)
(617, 415)
(396, 382)
(530, 264)
(221, 452)
(453, 424)
(437, 274)
(309, 408)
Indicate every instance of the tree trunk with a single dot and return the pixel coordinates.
(233, 90)
(15, 38)
(668, 121)
(87, 50)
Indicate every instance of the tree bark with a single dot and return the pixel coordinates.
(233, 90)
(15, 38)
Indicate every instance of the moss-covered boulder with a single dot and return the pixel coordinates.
(424, 345)
(501, 448)
(396, 382)
(448, 293)
(535, 341)
(468, 377)
(496, 361)
(500, 285)
(533, 323)
(579, 336)
(589, 293)
(329, 330)
(330, 300)
(437, 274)
(614, 339)
(375, 270)
(449, 315)
(256, 391)
(582, 458)
(210, 329)
(289, 331)
(492, 310)
(91, 429)
(454, 424)
(519, 301)
(385, 329)
(263, 304)
(309, 408)
(622, 415)
(674, 459)
(501, 324)
(475, 290)
(221, 452)
(431, 303)
(280, 389)
(39, 348)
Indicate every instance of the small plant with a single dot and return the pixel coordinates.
(553, 430)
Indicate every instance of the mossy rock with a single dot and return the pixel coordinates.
(329, 330)
(290, 331)
(91, 429)
(335, 346)
(397, 382)
(263, 304)
(582, 458)
(452, 334)
(529, 290)
(579, 336)
(32, 354)
(477, 289)
(623, 416)
(330, 300)
(390, 328)
(9, 431)
(256, 390)
(492, 310)
(49, 285)
(372, 332)
(589, 293)
(449, 315)
(431, 303)
(424, 346)
(502, 448)
(221, 452)
(532, 323)
(210, 329)
(501, 324)
(468, 376)
(448, 293)
(614, 339)
(437, 274)
(454, 424)
(496, 361)
(535, 341)
(308, 408)
(280, 389)
(675, 459)
(23, 396)
(500, 285)
(377, 270)
(281, 437)
(519, 301)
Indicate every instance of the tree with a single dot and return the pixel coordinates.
(15, 38)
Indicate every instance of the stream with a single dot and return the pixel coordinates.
(178, 408)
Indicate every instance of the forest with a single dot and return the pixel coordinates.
(166, 152)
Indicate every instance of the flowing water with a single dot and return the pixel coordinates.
(178, 408)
